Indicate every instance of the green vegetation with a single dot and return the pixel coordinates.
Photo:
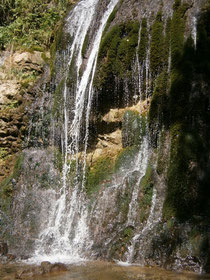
(58, 98)
(143, 44)
(146, 186)
(159, 103)
(7, 187)
(110, 19)
(101, 170)
(124, 157)
(58, 159)
(157, 48)
(167, 41)
(177, 33)
(85, 45)
(116, 57)
(3, 152)
(30, 24)
(123, 201)
(186, 193)
(182, 191)
(133, 129)
(117, 51)
(162, 156)
(119, 247)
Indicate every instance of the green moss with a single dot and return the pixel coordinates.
(110, 19)
(167, 42)
(146, 186)
(127, 47)
(85, 45)
(159, 104)
(3, 152)
(177, 33)
(18, 166)
(181, 191)
(117, 51)
(58, 99)
(45, 180)
(125, 157)
(58, 159)
(143, 44)
(6, 186)
(120, 246)
(146, 181)
(128, 234)
(123, 202)
(60, 43)
(133, 129)
(72, 73)
(100, 171)
(162, 157)
(157, 52)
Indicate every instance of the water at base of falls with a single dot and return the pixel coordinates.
(105, 271)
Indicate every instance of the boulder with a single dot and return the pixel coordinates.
(9, 90)
(11, 257)
(28, 61)
(46, 266)
(29, 273)
(58, 267)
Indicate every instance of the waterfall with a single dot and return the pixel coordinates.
(141, 165)
(133, 206)
(65, 235)
(194, 31)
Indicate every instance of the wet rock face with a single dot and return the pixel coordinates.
(18, 72)
(35, 190)
(34, 194)
(3, 248)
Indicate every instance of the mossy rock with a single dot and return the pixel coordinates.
(157, 55)
(8, 184)
(133, 129)
(125, 158)
(100, 171)
(58, 99)
(120, 246)
(158, 112)
(85, 45)
(146, 186)
(143, 44)
(162, 156)
(117, 52)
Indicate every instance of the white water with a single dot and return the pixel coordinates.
(194, 31)
(152, 220)
(140, 166)
(65, 236)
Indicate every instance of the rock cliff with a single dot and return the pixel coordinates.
(134, 150)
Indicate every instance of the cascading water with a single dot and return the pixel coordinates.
(194, 31)
(65, 234)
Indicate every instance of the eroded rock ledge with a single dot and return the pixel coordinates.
(18, 73)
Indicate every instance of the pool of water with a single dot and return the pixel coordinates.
(108, 271)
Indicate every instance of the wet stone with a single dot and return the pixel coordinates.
(46, 266)
(3, 248)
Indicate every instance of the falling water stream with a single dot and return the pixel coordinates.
(194, 31)
(65, 235)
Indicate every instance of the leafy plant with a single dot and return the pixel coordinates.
(29, 24)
